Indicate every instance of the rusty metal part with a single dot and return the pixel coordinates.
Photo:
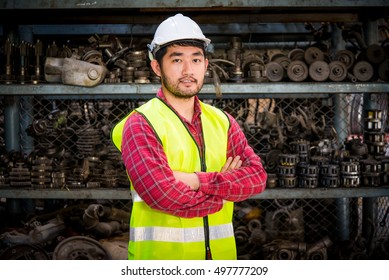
(274, 71)
(283, 60)
(23, 71)
(319, 71)
(318, 250)
(363, 71)
(94, 57)
(37, 76)
(39, 234)
(72, 71)
(347, 57)
(350, 174)
(80, 248)
(338, 71)
(297, 71)
(53, 69)
(371, 172)
(24, 252)
(383, 70)
(296, 54)
(375, 54)
(313, 54)
(8, 77)
(272, 180)
(373, 120)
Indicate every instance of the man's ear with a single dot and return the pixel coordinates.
(156, 68)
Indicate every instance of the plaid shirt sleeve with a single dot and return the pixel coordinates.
(152, 178)
(238, 184)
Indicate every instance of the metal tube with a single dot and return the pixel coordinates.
(340, 123)
(11, 123)
(369, 205)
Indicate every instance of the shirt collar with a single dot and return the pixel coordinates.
(197, 107)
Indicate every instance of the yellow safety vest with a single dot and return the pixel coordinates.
(158, 235)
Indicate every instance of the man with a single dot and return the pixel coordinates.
(187, 161)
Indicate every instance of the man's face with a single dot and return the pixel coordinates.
(183, 69)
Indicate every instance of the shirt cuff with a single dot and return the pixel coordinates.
(204, 179)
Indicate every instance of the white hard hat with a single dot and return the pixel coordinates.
(178, 27)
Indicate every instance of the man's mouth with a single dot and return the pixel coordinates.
(186, 80)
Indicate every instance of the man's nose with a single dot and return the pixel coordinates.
(187, 68)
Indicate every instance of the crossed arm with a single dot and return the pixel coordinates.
(192, 180)
(188, 194)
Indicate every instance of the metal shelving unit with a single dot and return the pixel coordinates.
(247, 20)
(232, 90)
(124, 194)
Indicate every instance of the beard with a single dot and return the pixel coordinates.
(181, 92)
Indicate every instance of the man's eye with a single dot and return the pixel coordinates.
(196, 60)
(177, 60)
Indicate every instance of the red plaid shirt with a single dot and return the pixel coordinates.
(153, 180)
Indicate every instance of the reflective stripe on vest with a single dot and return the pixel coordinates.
(168, 234)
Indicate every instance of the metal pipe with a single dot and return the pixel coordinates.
(11, 123)
(369, 205)
(340, 123)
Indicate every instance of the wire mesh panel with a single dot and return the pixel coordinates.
(304, 143)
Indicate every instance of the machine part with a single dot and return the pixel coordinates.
(103, 229)
(308, 169)
(375, 54)
(272, 180)
(346, 57)
(94, 57)
(288, 159)
(80, 248)
(319, 71)
(283, 60)
(24, 252)
(73, 72)
(363, 71)
(40, 234)
(116, 246)
(305, 181)
(350, 181)
(274, 71)
(383, 70)
(287, 181)
(318, 250)
(356, 147)
(338, 71)
(296, 54)
(383, 221)
(272, 160)
(329, 181)
(81, 73)
(286, 171)
(285, 223)
(331, 170)
(37, 76)
(23, 71)
(297, 71)
(313, 54)
(8, 77)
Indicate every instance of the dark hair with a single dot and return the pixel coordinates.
(184, 43)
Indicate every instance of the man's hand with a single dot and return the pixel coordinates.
(231, 164)
(192, 180)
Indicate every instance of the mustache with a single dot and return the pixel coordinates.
(188, 78)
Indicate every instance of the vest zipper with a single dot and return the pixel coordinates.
(208, 253)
